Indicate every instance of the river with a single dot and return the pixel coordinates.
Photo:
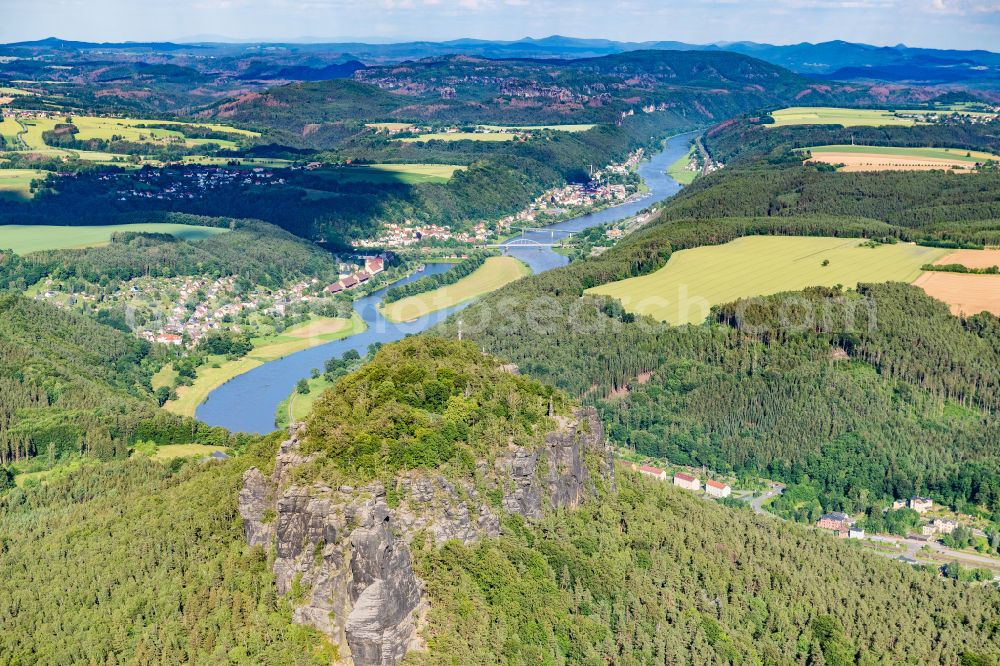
(247, 403)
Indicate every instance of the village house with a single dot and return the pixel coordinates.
(921, 504)
(687, 481)
(939, 526)
(899, 504)
(839, 523)
(717, 489)
(655, 472)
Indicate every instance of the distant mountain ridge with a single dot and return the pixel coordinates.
(833, 59)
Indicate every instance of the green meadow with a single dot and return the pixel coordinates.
(16, 183)
(694, 280)
(25, 238)
(410, 174)
(679, 171)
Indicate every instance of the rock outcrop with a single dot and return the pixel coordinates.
(343, 553)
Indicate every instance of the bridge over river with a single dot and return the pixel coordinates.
(247, 403)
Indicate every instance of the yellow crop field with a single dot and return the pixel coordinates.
(694, 280)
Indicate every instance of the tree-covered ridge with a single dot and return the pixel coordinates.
(426, 403)
(645, 573)
(654, 575)
(929, 205)
(741, 141)
(133, 562)
(258, 252)
(719, 397)
(69, 384)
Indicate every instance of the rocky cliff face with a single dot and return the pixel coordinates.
(343, 553)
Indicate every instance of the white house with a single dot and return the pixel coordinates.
(717, 488)
(687, 481)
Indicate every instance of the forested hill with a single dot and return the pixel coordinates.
(642, 573)
(781, 406)
(71, 385)
(699, 86)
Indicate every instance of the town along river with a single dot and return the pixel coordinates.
(247, 403)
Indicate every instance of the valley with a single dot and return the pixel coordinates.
(550, 351)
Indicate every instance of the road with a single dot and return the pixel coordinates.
(706, 160)
(912, 546)
(757, 503)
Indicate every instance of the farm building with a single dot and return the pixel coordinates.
(717, 488)
(655, 472)
(687, 481)
(855, 533)
(838, 523)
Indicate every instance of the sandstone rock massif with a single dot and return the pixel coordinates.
(343, 554)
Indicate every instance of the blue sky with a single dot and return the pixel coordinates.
(932, 23)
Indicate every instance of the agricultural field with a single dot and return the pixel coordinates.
(888, 158)
(829, 115)
(495, 273)
(25, 238)
(410, 174)
(966, 294)
(128, 129)
(16, 183)
(971, 258)
(462, 136)
(683, 291)
(9, 130)
(295, 339)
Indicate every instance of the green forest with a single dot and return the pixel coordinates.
(912, 410)
(640, 573)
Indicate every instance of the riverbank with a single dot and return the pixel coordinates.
(309, 334)
(247, 403)
(493, 274)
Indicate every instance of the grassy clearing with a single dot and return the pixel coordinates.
(265, 349)
(679, 170)
(410, 174)
(25, 238)
(61, 469)
(495, 273)
(298, 406)
(172, 451)
(165, 376)
(16, 183)
(390, 127)
(694, 280)
(247, 162)
(462, 136)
